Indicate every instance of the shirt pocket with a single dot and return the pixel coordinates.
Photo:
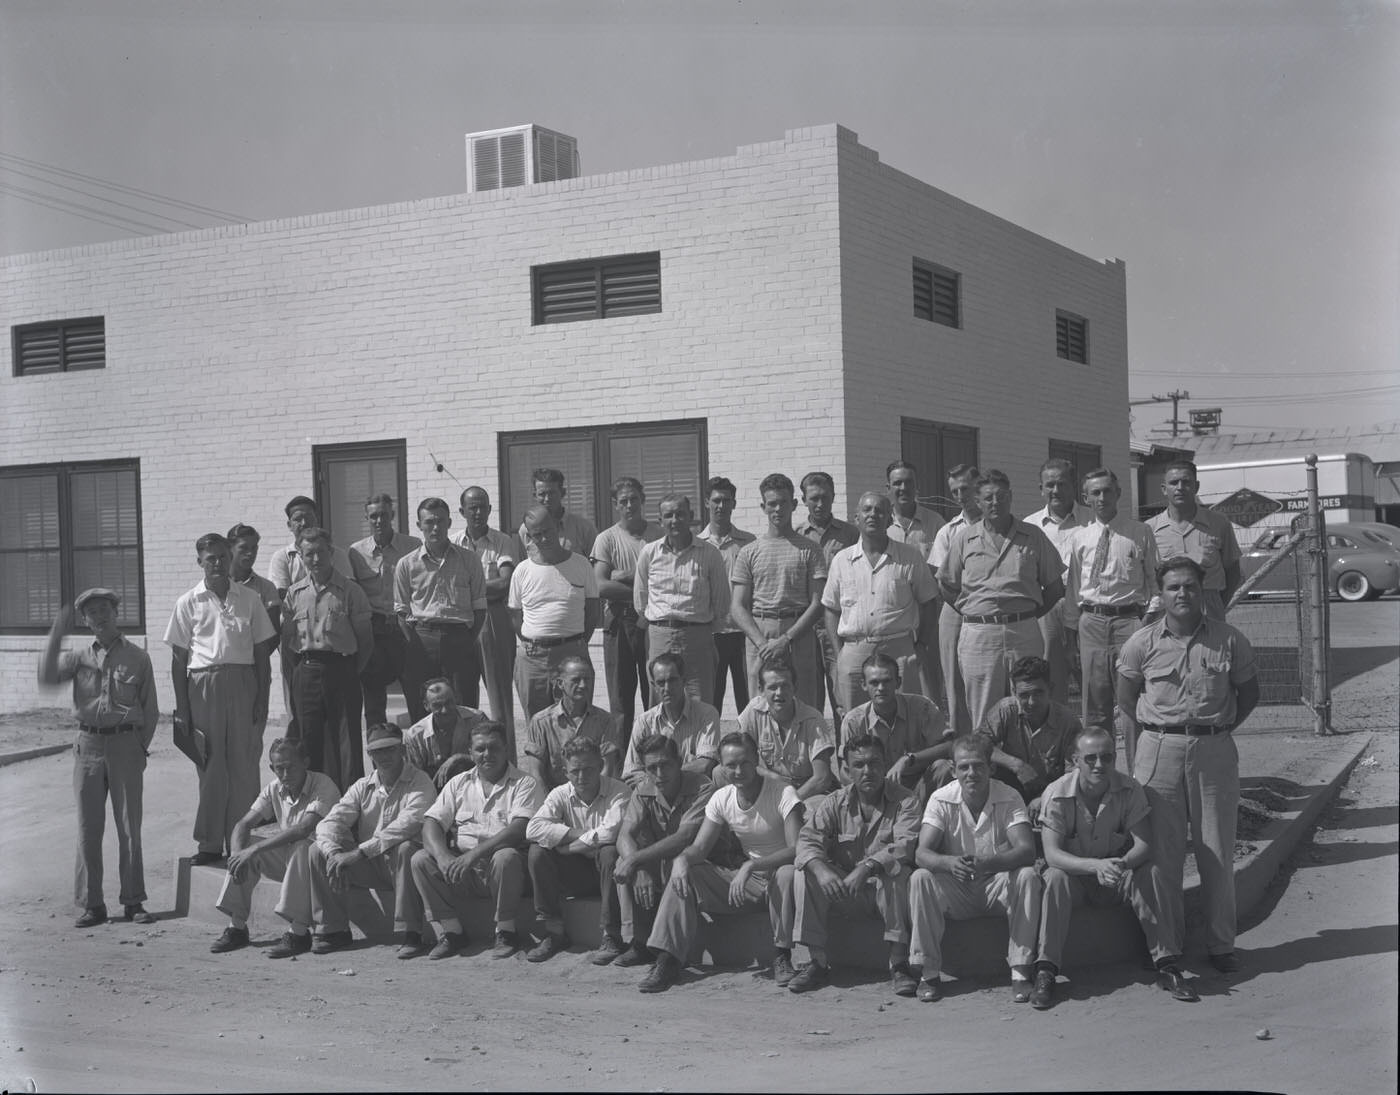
(1212, 679)
(126, 689)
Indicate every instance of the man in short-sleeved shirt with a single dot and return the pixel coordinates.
(572, 715)
(794, 741)
(962, 489)
(1187, 528)
(729, 640)
(498, 552)
(372, 563)
(690, 723)
(576, 532)
(777, 583)
(1188, 680)
(912, 729)
(1058, 519)
(1031, 736)
(440, 743)
(830, 534)
(912, 523)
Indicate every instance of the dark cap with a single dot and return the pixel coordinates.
(383, 736)
(300, 500)
(98, 593)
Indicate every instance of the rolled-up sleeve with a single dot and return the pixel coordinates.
(605, 832)
(336, 831)
(549, 827)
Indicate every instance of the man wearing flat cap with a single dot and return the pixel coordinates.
(114, 697)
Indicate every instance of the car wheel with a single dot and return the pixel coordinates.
(1352, 585)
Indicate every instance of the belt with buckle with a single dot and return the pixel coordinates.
(1112, 610)
(322, 655)
(1000, 618)
(672, 622)
(1190, 729)
(550, 643)
(106, 730)
(765, 614)
(432, 623)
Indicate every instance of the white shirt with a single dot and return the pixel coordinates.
(597, 821)
(938, 554)
(551, 597)
(219, 632)
(987, 834)
(478, 810)
(759, 828)
(1060, 530)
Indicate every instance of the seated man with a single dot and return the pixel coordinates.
(296, 800)
(975, 854)
(474, 843)
(764, 812)
(573, 849)
(918, 744)
(1031, 736)
(855, 852)
(692, 724)
(440, 743)
(368, 839)
(572, 715)
(793, 739)
(661, 821)
(1095, 828)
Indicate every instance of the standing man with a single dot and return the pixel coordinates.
(1059, 518)
(498, 552)
(614, 559)
(372, 563)
(918, 527)
(1111, 579)
(440, 743)
(1187, 681)
(439, 596)
(368, 839)
(575, 533)
(114, 698)
(243, 543)
(327, 628)
(692, 724)
(729, 640)
(218, 636)
(962, 488)
(830, 534)
(1002, 576)
(571, 716)
(1187, 528)
(777, 582)
(553, 606)
(682, 588)
(880, 598)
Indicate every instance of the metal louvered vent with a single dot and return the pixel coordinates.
(518, 155)
(622, 285)
(936, 294)
(67, 346)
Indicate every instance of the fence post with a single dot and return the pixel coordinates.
(1319, 631)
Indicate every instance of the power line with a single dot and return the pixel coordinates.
(1289, 397)
(77, 209)
(135, 191)
(98, 197)
(1218, 375)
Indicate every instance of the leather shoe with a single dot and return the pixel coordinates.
(903, 981)
(809, 978)
(1172, 980)
(783, 971)
(507, 943)
(449, 945)
(412, 946)
(91, 917)
(327, 942)
(205, 859)
(608, 950)
(1043, 992)
(931, 991)
(548, 947)
(290, 945)
(664, 973)
(137, 914)
(637, 954)
(1229, 962)
(233, 939)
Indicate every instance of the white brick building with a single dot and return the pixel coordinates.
(778, 291)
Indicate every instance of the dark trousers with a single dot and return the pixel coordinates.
(449, 652)
(384, 668)
(625, 662)
(729, 662)
(326, 695)
(554, 876)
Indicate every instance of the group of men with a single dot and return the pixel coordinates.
(648, 805)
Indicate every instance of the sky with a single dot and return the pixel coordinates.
(1243, 159)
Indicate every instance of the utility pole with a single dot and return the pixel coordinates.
(1174, 398)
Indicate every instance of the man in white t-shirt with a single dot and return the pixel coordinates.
(765, 814)
(554, 608)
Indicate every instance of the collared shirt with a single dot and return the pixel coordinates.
(789, 753)
(917, 724)
(650, 817)
(285, 568)
(317, 798)
(325, 617)
(985, 835)
(619, 548)
(689, 584)
(728, 545)
(266, 591)
(452, 588)
(1208, 538)
(219, 632)
(938, 554)
(696, 733)
(597, 821)
(1060, 530)
(375, 818)
(1129, 575)
(1047, 749)
(839, 834)
(783, 571)
(917, 531)
(760, 827)
(372, 566)
(996, 575)
(1103, 832)
(879, 600)
(549, 729)
(471, 810)
(551, 596)
(1191, 679)
(496, 550)
(427, 748)
(838, 534)
(112, 685)
(575, 533)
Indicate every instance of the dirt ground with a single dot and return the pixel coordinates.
(133, 1008)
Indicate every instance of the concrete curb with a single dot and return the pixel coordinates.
(29, 754)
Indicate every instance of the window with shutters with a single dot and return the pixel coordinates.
(1072, 337)
(67, 528)
(937, 294)
(348, 475)
(66, 346)
(665, 456)
(935, 448)
(1082, 457)
(623, 285)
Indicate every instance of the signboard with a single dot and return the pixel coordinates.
(1247, 507)
(1330, 501)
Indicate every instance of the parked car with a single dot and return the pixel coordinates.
(1363, 561)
